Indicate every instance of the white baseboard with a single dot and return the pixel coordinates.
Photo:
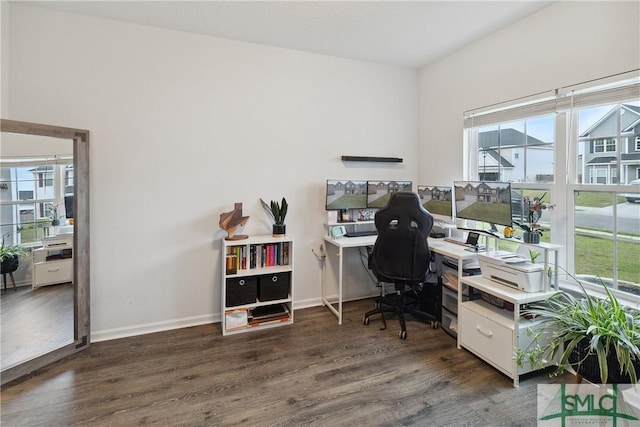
(149, 328)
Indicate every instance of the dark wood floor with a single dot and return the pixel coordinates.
(312, 373)
(34, 321)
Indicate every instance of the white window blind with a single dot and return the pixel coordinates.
(14, 162)
(598, 92)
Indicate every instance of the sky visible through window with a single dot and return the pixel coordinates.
(588, 116)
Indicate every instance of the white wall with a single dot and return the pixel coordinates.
(182, 126)
(564, 44)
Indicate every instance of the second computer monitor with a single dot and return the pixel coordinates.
(379, 192)
(488, 202)
(437, 200)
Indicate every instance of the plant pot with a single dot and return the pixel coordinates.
(9, 265)
(589, 369)
(55, 222)
(531, 237)
(279, 230)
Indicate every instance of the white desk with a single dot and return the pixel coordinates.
(334, 250)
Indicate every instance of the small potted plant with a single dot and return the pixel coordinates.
(533, 255)
(277, 212)
(532, 232)
(53, 210)
(597, 337)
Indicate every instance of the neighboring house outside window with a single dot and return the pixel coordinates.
(603, 159)
(521, 151)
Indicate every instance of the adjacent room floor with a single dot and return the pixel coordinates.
(35, 321)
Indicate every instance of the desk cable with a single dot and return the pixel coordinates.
(322, 255)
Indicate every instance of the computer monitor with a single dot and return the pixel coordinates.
(346, 194)
(488, 202)
(68, 206)
(379, 192)
(437, 200)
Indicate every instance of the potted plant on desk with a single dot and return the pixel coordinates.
(597, 337)
(53, 212)
(277, 212)
(532, 232)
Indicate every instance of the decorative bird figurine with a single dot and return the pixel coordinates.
(229, 221)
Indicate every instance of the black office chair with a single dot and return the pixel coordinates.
(401, 256)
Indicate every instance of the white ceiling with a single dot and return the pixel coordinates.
(406, 33)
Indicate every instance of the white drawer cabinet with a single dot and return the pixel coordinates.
(53, 263)
(493, 333)
(490, 339)
(48, 273)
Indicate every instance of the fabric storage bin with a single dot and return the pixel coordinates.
(241, 290)
(237, 318)
(274, 286)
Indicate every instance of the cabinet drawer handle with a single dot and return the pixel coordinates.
(484, 332)
(53, 270)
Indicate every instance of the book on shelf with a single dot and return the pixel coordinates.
(231, 261)
(266, 322)
(267, 313)
(268, 255)
(236, 259)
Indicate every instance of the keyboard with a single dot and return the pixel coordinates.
(361, 233)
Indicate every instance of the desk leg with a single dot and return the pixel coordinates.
(460, 296)
(340, 256)
(325, 301)
(545, 277)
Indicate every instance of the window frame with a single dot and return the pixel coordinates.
(565, 103)
(41, 211)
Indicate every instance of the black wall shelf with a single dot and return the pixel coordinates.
(371, 159)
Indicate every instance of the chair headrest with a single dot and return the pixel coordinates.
(404, 206)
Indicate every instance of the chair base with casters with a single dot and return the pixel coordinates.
(404, 301)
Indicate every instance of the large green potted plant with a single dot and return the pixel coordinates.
(277, 212)
(597, 337)
(10, 257)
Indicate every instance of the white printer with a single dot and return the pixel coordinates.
(512, 270)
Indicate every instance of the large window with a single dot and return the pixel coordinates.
(31, 196)
(573, 154)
